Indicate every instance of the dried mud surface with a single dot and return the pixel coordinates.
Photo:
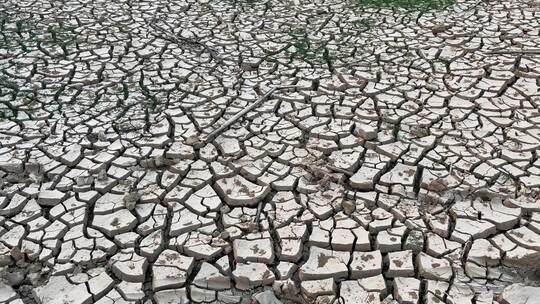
(394, 160)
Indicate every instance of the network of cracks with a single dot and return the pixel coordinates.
(383, 155)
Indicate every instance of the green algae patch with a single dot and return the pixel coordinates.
(416, 5)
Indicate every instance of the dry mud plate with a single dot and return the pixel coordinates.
(380, 152)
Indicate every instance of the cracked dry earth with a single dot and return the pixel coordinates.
(399, 166)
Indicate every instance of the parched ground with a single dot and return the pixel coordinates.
(384, 155)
